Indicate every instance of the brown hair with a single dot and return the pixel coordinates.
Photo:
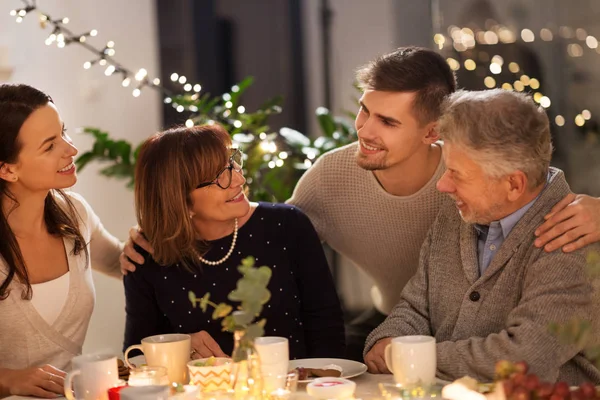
(411, 69)
(17, 103)
(169, 167)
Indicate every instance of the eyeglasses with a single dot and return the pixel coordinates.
(225, 176)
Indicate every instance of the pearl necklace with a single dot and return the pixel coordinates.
(222, 260)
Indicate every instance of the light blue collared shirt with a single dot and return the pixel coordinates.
(491, 237)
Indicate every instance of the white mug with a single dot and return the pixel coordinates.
(274, 356)
(412, 360)
(171, 351)
(150, 392)
(96, 373)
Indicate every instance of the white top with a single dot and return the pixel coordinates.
(50, 297)
(26, 338)
(381, 233)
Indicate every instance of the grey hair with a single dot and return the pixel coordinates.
(505, 132)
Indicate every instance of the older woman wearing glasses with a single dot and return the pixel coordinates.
(191, 206)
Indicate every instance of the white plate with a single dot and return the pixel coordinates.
(137, 360)
(350, 368)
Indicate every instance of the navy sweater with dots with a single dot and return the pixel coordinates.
(304, 305)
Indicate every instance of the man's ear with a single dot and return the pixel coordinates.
(432, 134)
(7, 172)
(517, 185)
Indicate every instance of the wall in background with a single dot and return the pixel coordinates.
(88, 98)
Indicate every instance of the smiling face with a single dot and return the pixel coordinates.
(479, 198)
(213, 204)
(46, 158)
(388, 131)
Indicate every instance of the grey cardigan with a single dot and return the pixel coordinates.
(505, 313)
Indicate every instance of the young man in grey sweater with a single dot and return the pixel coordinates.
(482, 289)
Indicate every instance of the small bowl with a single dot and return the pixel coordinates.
(331, 388)
(210, 378)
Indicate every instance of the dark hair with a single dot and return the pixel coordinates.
(17, 103)
(411, 69)
(169, 167)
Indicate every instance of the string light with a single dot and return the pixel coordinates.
(513, 67)
(545, 101)
(546, 35)
(489, 82)
(461, 39)
(586, 114)
(527, 35)
(591, 42)
(62, 37)
(534, 83)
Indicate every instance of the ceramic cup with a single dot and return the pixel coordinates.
(412, 360)
(93, 375)
(274, 360)
(171, 351)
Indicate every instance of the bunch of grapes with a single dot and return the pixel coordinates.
(519, 385)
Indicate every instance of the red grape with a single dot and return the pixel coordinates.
(557, 397)
(545, 389)
(588, 389)
(518, 379)
(521, 394)
(531, 382)
(508, 387)
(521, 366)
(561, 389)
(577, 395)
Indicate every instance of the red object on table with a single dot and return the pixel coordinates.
(113, 393)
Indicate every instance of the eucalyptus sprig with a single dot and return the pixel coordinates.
(252, 294)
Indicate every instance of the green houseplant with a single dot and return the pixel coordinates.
(275, 160)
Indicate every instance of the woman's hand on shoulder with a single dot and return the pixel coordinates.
(130, 254)
(45, 381)
(203, 346)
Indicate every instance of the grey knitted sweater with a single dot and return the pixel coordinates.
(379, 232)
(505, 313)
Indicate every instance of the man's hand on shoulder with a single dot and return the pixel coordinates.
(573, 223)
(129, 253)
(375, 358)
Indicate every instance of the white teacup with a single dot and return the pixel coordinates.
(96, 373)
(274, 356)
(171, 351)
(412, 360)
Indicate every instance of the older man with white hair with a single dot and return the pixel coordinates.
(482, 289)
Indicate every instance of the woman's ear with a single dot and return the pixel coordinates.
(432, 134)
(7, 172)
